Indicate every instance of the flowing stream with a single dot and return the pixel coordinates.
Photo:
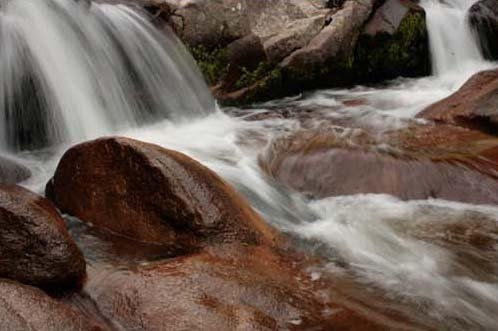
(76, 78)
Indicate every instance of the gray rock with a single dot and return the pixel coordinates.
(11, 172)
(483, 16)
(295, 36)
(339, 37)
(387, 18)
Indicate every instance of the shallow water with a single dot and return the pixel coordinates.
(436, 259)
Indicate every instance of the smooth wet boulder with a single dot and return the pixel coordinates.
(416, 163)
(474, 105)
(35, 246)
(12, 172)
(27, 308)
(222, 289)
(152, 194)
(483, 16)
(394, 42)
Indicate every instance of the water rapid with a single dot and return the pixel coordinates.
(107, 70)
(70, 73)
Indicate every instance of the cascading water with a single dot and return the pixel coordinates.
(454, 47)
(69, 72)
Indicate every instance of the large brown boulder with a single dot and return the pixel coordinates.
(27, 308)
(474, 105)
(417, 163)
(35, 246)
(152, 194)
(228, 288)
(11, 172)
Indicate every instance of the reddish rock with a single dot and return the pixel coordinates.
(27, 308)
(422, 162)
(474, 105)
(228, 288)
(35, 246)
(152, 194)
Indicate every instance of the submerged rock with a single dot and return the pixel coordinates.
(483, 16)
(222, 289)
(12, 172)
(474, 105)
(152, 194)
(422, 162)
(27, 308)
(35, 246)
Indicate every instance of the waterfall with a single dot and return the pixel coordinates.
(454, 47)
(69, 73)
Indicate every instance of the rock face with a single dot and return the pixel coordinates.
(425, 162)
(248, 289)
(474, 105)
(393, 43)
(483, 16)
(151, 194)
(35, 247)
(337, 38)
(307, 44)
(214, 22)
(12, 172)
(27, 308)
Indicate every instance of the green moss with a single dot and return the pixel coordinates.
(385, 56)
(251, 77)
(411, 28)
(374, 59)
(212, 62)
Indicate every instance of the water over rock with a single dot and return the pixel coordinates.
(35, 246)
(483, 16)
(225, 288)
(27, 308)
(474, 105)
(418, 163)
(12, 172)
(152, 194)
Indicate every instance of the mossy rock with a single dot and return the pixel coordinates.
(404, 53)
(375, 59)
(213, 62)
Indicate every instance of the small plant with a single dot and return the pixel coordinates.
(213, 63)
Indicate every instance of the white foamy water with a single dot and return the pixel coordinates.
(455, 57)
(453, 46)
(69, 73)
(438, 257)
(426, 253)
